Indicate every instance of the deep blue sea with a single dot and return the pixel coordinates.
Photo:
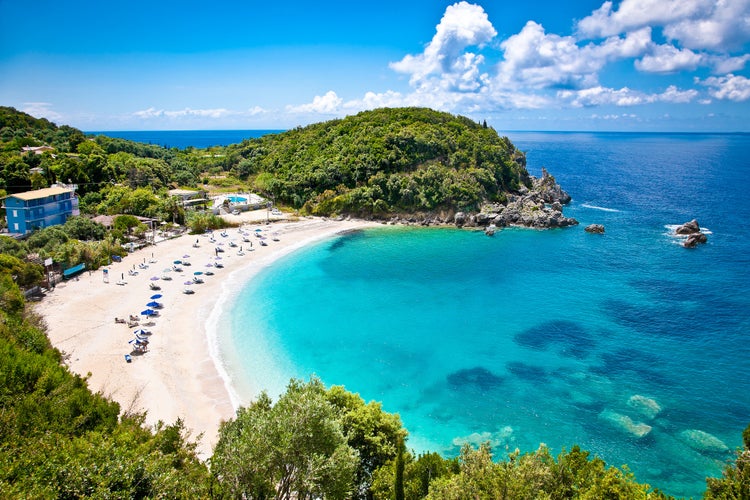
(182, 139)
(625, 343)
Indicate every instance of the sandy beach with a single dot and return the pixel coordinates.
(178, 376)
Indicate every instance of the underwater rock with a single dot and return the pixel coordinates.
(644, 405)
(702, 441)
(497, 439)
(625, 423)
(477, 377)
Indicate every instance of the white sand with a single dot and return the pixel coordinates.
(178, 377)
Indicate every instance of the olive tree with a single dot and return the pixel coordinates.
(294, 449)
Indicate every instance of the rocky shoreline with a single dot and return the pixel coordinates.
(538, 207)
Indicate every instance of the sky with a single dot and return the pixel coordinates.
(623, 65)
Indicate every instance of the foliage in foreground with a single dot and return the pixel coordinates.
(59, 440)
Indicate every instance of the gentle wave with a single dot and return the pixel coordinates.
(595, 207)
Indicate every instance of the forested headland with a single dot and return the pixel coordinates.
(60, 440)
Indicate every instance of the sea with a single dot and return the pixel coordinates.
(625, 343)
(183, 139)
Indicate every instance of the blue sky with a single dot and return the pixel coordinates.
(631, 65)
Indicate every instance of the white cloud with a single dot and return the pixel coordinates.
(538, 59)
(731, 87)
(669, 59)
(182, 113)
(695, 24)
(675, 95)
(330, 103)
(41, 110)
(445, 58)
(726, 64)
(256, 110)
(602, 96)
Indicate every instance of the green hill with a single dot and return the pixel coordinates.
(386, 161)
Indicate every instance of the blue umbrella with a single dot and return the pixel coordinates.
(155, 296)
(147, 312)
(198, 273)
(153, 304)
(178, 262)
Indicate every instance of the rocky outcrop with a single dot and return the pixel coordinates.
(595, 229)
(692, 232)
(689, 228)
(538, 207)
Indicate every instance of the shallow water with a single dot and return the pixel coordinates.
(558, 336)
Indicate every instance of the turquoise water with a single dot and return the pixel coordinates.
(237, 199)
(558, 336)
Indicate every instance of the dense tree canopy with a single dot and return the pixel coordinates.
(385, 161)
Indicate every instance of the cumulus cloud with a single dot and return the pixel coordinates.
(602, 96)
(446, 58)
(730, 87)
(330, 103)
(539, 59)
(694, 24)
(668, 59)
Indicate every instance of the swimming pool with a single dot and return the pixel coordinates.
(237, 199)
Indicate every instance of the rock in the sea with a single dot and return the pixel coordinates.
(644, 405)
(625, 423)
(595, 228)
(702, 441)
(689, 228)
(694, 239)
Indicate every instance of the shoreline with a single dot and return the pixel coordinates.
(182, 374)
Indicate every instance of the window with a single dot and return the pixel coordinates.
(15, 226)
(15, 214)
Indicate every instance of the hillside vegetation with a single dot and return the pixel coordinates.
(375, 163)
(385, 161)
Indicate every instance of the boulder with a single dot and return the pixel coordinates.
(703, 441)
(646, 406)
(694, 239)
(625, 423)
(595, 229)
(459, 219)
(691, 227)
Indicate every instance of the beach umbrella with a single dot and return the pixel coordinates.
(154, 278)
(189, 282)
(167, 270)
(209, 265)
(153, 304)
(258, 230)
(185, 256)
(155, 296)
(198, 273)
(141, 331)
(177, 262)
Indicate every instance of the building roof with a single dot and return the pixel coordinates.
(40, 193)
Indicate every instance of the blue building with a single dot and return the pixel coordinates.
(38, 209)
